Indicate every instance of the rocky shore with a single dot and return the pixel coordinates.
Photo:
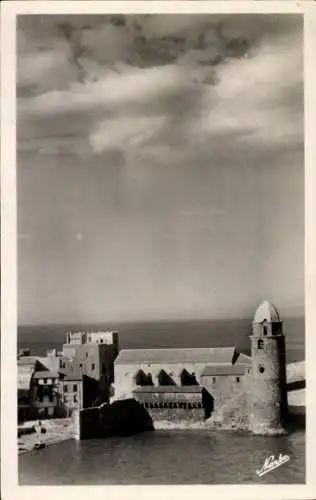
(37, 434)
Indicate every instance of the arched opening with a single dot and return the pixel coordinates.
(207, 403)
(188, 378)
(261, 369)
(260, 344)
(142, 379)
(165, 379)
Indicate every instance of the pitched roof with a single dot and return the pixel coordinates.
(213, 355)
(45, 374)
(238, 368)
(223, 370)
(31, 360)
(244, 359)
(26, 367)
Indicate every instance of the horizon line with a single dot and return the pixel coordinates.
(144, 321)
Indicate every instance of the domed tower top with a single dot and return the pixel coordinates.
(266, 312)
(266, 320)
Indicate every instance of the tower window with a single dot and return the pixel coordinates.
(261, 369)
(260, 344)
(265, 330)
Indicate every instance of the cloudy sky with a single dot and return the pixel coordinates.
(160, 166)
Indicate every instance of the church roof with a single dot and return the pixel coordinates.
(213, 355)
(237, 369)
(27, 366)
(266, 312)
(244, 359)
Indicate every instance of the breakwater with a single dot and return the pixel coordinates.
(120, 418)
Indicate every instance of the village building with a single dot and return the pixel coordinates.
(44, 393)
(92, 354)
(71, 392)
(78, 391)
(77, 377)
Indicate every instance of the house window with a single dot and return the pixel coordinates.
(260, 344)
(214, 380)
(75, 387)
(87, 354)
(45, 380)
(92, 366)
(66, 399)
(101, 341)
(237, 379)
(80, 365)
(261, 369)
(75, 398)
(65, 388)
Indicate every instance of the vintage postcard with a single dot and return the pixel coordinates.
(157, 253)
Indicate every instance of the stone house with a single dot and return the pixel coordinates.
(92, 355)
(44, 393)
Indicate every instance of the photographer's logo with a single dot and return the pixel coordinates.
(272, 463)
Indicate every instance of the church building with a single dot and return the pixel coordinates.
(176, 384)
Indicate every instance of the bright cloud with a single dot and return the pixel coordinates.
(168, 84)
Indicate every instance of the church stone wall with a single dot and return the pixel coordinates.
(222, 386)
(124, 375)
(177, 414)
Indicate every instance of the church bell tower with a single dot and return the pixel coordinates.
(267, 395)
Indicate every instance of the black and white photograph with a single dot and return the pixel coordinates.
(160, 249)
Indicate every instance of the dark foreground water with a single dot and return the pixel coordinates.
(166, 457)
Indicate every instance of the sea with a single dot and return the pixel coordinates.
(167, 455)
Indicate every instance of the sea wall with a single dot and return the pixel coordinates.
(120, 418)
(177, 415)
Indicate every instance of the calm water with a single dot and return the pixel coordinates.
(178, 457)
(166, 457)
